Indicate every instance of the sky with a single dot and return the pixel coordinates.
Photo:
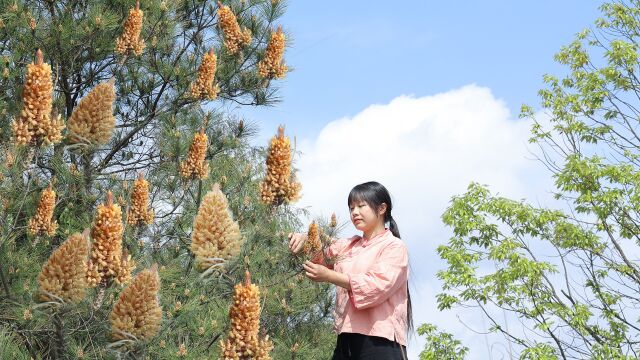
(423, 97)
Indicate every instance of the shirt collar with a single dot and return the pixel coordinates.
(375, 238)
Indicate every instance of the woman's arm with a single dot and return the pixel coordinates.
(384, 277)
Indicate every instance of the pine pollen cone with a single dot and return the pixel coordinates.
(35, 125)
(279, 185)
(92, 121)
(243, 341)
(205, 87)
(139, 212)
(63, 277)
(216, 236)
(130, 37)
(312, 246)
(334, 221)
(271, 66)
(106, 260)
(195, 166)
(235, 38)
(42, 222)
(137, 313)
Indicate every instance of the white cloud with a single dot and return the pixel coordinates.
(424, 150)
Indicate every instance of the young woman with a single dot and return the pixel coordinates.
(373, 307)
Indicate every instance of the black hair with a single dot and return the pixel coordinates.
(375, 194)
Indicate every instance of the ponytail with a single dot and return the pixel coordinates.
(396, 232)
(393, 226)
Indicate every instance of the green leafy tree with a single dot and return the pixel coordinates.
(157, 113)
(571, 277)
(440, 345)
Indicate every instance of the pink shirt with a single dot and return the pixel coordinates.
(377, 302)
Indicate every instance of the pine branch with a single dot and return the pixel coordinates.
(5, 284)
(59, 345)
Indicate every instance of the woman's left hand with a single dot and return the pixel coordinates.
(316, 272)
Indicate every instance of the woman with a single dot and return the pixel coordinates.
(373, 307)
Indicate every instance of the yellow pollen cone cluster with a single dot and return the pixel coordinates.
(130, 38)
(334, 221)
(205, 87)
(215, 237)
(64, 275)
(42, 222)
(279, 186)
(243, 342)
(235, 38)
(313, 245)
(107, 260)
(92, 121)
(140, 213)
(271, 66)
(195, 166)
(35, 125)
(137, 314)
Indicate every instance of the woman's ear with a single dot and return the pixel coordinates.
(382, 209)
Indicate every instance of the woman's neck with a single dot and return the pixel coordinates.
(373, 232)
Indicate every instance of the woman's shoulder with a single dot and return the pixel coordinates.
(394, 241)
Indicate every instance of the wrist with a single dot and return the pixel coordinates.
(339, 279)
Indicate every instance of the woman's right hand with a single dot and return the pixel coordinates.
(296, 242)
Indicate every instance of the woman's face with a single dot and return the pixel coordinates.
(363, 216)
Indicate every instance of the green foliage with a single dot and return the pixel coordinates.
(156, 119)
(10, 348)
(440, 345)
(539, 352)
(570, 277)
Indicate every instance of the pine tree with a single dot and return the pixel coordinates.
(122, 91)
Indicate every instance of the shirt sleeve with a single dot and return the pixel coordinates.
(384, 277)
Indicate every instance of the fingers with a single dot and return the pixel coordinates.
(291, 240)
(296, 242)
(310, 271)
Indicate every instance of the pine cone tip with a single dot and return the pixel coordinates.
(39, 57)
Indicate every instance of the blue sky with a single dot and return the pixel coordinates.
(424, 97)
(347, 55)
